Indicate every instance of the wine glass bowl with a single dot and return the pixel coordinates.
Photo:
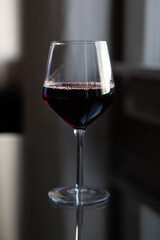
(79, 87)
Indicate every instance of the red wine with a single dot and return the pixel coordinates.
(78, 104)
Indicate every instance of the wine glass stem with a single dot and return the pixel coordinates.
(79, 134)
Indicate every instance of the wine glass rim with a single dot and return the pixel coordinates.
(77, 42)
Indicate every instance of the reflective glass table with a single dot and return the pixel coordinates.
(28, 169)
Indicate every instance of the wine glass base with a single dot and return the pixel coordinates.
(73, 196)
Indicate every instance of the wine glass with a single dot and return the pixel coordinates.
(79, 87)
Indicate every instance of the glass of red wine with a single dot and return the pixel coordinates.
(79, 87)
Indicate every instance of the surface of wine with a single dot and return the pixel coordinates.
(78, 104)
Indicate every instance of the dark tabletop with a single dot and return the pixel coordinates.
(30, 167)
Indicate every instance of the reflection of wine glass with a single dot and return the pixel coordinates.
(79, 88)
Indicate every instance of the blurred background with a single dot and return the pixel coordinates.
(132, 32)
(127, 137)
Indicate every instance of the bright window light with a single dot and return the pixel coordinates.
(9, 30)
(152, 32)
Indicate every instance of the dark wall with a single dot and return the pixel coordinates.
(136, 109)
